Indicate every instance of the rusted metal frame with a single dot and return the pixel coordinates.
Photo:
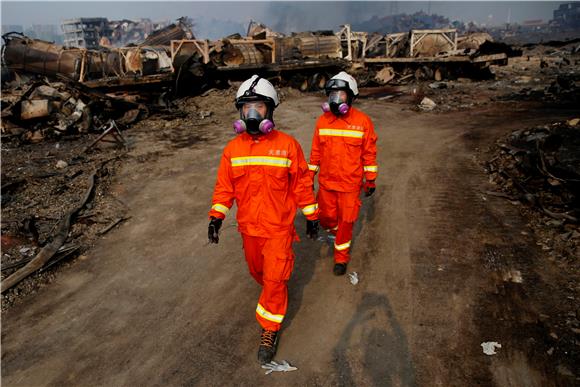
(421, 34)
(175, 50)
(393, 39)
(341, 36)
(119, 70)
(362, 38)
(112, 129)
(124, 63)
(441, 31)
(348, 41)
(203, 49)
(83, 65)
(104, 64)
(364, 47)
(454, 41)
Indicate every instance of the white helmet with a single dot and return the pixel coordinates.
(342, 81)
(257, 89)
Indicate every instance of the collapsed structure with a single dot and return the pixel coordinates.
(170, 61)
(302, 59)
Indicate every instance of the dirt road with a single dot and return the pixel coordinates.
(154, 304)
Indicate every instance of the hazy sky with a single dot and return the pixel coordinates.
(294, 15)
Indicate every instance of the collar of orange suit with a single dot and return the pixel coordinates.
(345, 117)
(259, 137)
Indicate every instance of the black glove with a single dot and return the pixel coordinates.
(369, 187)
(213, 230)
(312, 229)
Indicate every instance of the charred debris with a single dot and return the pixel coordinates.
(52, 90)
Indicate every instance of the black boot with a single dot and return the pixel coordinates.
(339, 268)
(268, 344)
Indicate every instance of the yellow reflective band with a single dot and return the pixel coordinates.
(344, 246)
(220, 208)
(313, 167)
(261, 160)
(371, 168)
(309, 210)
(341, 133)
(277, 318)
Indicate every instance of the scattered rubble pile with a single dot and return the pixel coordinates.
(540, 167)
(39, 108)
(538, 170)
(55, 203)
(546, 72)
(565, 88)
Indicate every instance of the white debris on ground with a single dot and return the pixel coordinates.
(489, 347)
(427, 104)
(353, 277)
(514, 276)
(60, 164)
(283, 366)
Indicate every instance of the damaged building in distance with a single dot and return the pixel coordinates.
(567, 15)
(92, 33)
(84, 32)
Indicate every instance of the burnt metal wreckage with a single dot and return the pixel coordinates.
(161, 58)
(68, 86)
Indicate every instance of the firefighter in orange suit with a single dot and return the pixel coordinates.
(264, 171)
(344, 154)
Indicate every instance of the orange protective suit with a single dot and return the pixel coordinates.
(344, 151)
(268, 178)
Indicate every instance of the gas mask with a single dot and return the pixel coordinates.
(252, 121)
(335, 104)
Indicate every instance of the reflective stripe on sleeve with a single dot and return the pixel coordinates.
(277, 318)
(220, 208)
(313, 167)
(309, 210)
(371, 168)
(344, 246)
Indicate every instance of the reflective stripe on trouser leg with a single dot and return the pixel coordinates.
(278, 265)
(328, 207)
(272, 305)
(348, 208)
(343, 242)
